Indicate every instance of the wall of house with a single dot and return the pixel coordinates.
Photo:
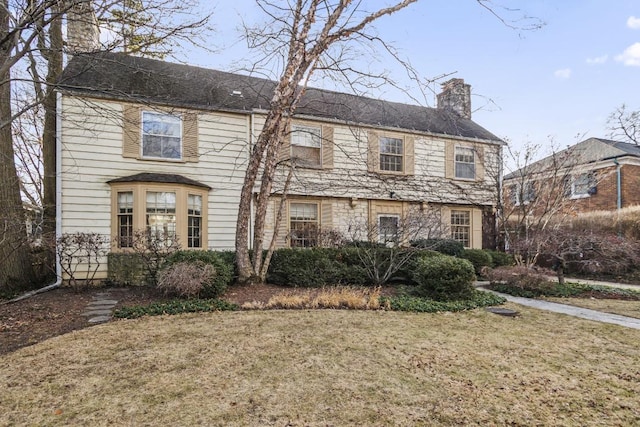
(606, 197)
(92, 154)
(430, 180)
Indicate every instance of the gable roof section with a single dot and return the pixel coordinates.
(588, 151)
(120, 76)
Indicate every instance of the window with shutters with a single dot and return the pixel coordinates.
(391, 154)
(464, 163)
(303, 225)
(161, 136)
(163, 211)
(306, 145)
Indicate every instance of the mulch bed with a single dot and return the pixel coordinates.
(59, 311)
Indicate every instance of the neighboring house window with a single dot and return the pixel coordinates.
(167, 212)
(391, 154)
(388, 227)
(306, 145)
(125, 219)
(161, 215)
(194, 219)
(461, 227)
(523, 196)
(465, 166)
(303, 224)
(582, 185)
(161, 136)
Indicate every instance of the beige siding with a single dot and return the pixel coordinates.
(91, 127)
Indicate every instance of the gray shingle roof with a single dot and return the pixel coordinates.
(160, 177)
(120, 76)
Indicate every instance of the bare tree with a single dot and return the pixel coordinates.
(302, 39)
(624, 125)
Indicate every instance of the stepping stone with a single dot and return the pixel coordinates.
(101, 304)
(502, 311)
(97, 313)
(99, 319)
(103, 301)
(101, 295)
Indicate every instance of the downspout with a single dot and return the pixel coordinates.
(58, 281)
(619, 192)
(250, 140)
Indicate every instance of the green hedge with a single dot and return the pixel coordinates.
(444, 278)
(444, 246)
(224, 276)
(174, 307)
(315, 267)
(476, 299)
(501, 259)
(478, 257)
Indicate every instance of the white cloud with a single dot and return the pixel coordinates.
(633, 23)
(564, 73)
(630, 56)
(597, 60)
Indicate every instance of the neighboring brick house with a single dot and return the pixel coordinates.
(595, 174)
(147, 144)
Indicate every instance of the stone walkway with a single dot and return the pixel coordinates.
(583, 313)
(100, 310)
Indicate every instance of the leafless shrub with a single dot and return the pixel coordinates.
(153, 249)
(80, 256)
(185, 279)
(520, 277)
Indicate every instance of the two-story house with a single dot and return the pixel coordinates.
(152, 145)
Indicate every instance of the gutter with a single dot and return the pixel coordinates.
(58, 281)
(618, 183)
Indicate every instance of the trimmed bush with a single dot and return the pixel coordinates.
(478, 257)
(501, 259)
(476, 299)
(224, 271)
(444, 278)
(444, 246)
(315, 267)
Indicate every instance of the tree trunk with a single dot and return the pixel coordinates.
(49, 133)
(16, 269)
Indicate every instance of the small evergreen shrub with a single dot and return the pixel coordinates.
(478, 257)
(444, 246)
(444, 278)
(174, 307)
(476, 299)
(223, 269)
(501, 259)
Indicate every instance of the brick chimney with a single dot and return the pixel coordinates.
(83, 33)
(456, 97)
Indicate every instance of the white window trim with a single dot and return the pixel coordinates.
(475, 163)
(469, 227)
(142, 133)
(316, 221)
(518, 191)
(575, 195)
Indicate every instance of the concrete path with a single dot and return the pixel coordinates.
(100, 309)
(583, 313)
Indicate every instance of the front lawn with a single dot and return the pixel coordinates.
(329, 367)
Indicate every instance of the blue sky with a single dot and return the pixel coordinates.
(560, 82)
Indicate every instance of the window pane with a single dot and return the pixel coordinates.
(161, 218)
(465, 163)
(581, 184)
(303, 224)
(391, 154)
(161, 135)
(388, 229)
(125, 219)
(306, 136)
(194, 221)
(461, 227)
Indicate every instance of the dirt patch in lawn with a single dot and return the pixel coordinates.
(59, 311)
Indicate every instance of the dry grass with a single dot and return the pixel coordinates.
(623, 308)
(627, 221)
(354, 298)
(329, 367)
